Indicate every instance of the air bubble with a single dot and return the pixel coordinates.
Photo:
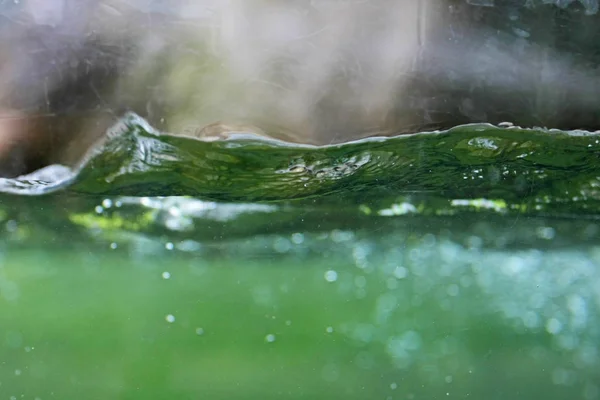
(553, 326)
(400, 272)
(270, 338)
(297, 238)
(331, 276)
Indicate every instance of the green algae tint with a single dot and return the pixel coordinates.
(531, 170)
(458, 264)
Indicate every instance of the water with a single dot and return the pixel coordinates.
(458, 264)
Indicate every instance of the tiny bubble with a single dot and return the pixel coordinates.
(400, 272)
(393, 386)
(11, 225)
(170, 318)
(107, 203)
(297, 238)
(553, 326)
(329, 329)
(99, 209)
(331, 276)
(166, 275)
(17, 372)
(169, 246)
(270, 338)
(113, 245)
(199, 331)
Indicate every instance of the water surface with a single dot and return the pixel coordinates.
(454, 264)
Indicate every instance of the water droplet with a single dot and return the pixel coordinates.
(166, 275)
(99, 209)
(113, 245)
(329, 329)
(169, 246)
(170, 318)
(393, 386)
(107, 203)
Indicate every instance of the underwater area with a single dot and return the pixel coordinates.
(460, 264)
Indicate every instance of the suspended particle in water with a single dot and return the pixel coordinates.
(199, 331)
(11, 225)
(393, 386)
(107, 203)
(553, 326)
(166, 275)
(113, 245)
(297, 238)
(546, 232)
(270, 338)
(331, 276)
(169, 246)
(17, 372)
(281, 245)
(448, 379)
(99, 209)
(360, 281)
(329, 329)
(452, 290)
(170, 318)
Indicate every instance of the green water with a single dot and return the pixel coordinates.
(462, 264)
